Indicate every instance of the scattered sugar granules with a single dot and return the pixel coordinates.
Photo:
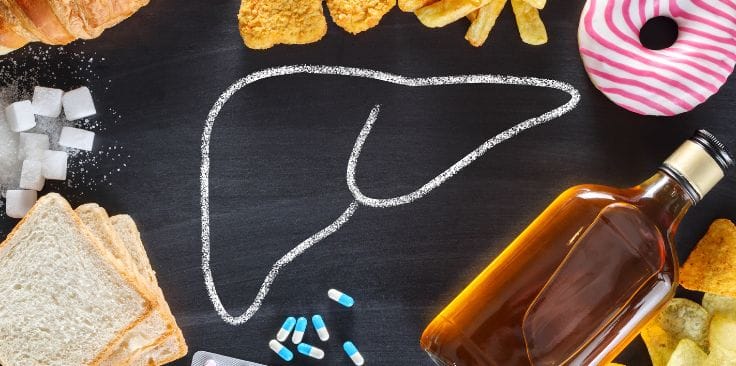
(59, 67)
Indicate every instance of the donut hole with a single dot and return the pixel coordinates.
(659, 33)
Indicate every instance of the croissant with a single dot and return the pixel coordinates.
(59, 22)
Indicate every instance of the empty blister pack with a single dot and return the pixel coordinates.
(202, 358)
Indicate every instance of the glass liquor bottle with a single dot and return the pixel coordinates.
(579, 283)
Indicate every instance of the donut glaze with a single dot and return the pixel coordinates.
(658, 82)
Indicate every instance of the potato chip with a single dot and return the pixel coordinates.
(711, 267)
(539, 4)
(723, 333)
(445, 12)
(687, 353)
(660, 344)
(684, 318)
(412, 5)
(483, 23)
(716, 304)
(530, 25)
(720, 357)
(680, 319)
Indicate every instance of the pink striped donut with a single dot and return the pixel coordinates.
(658, 82)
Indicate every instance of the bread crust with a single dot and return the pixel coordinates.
(98, 15)
(39, 18)
(99, 220)
(126, 222)
(105, 256)
(60, 22)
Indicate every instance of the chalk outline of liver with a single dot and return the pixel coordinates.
(360, 198)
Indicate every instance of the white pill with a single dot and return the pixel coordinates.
(78, 104)
(32, 145)
(47, 101)
(299, 330)
(55, 164)
(18, 202)
(77, 138)
(31, 175)
(210, 363)
(20, 116)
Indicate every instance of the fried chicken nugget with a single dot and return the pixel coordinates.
(356, 16)
(265, 23)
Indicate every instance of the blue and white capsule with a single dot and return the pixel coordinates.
(280, 350)
(286, 329)
(299, 329)
(311, 351)
(353, 353)
(319, 326)
(341, 298)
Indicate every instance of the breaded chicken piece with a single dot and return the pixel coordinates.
(264, 23)
(356, 16)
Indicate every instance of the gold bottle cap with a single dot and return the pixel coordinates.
(702, 161)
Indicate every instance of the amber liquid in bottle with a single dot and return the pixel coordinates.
(578, 284)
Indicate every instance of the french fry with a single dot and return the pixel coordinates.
(531, 28)
(445, 12)
(539, 4)
(412, 5)
(483, 23)
(472, 15)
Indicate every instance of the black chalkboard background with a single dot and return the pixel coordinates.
(280, 148)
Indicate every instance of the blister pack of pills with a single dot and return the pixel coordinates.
(202, 358)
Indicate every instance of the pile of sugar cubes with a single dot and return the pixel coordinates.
(30, 152)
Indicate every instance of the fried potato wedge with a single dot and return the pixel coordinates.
(484, 21)
(531, 28)
(444, 12)
(413, 5)
(538, 4)
(711, 267)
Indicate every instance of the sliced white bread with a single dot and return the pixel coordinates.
(157, 324)
(64, 299)
(172, 346)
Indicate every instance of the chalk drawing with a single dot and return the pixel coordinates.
(360, 198)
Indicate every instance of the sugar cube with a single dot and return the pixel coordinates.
(32, 145)
(78, 104)
(9, 163)
(77, 138)
(47, 101)
(18, 202)
(54, 164)
(31, 175)
(20, 116)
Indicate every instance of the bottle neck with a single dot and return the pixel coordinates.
(664, 199)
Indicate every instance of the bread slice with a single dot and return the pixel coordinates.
(171, 346)
(64, 300)
(157, 324)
